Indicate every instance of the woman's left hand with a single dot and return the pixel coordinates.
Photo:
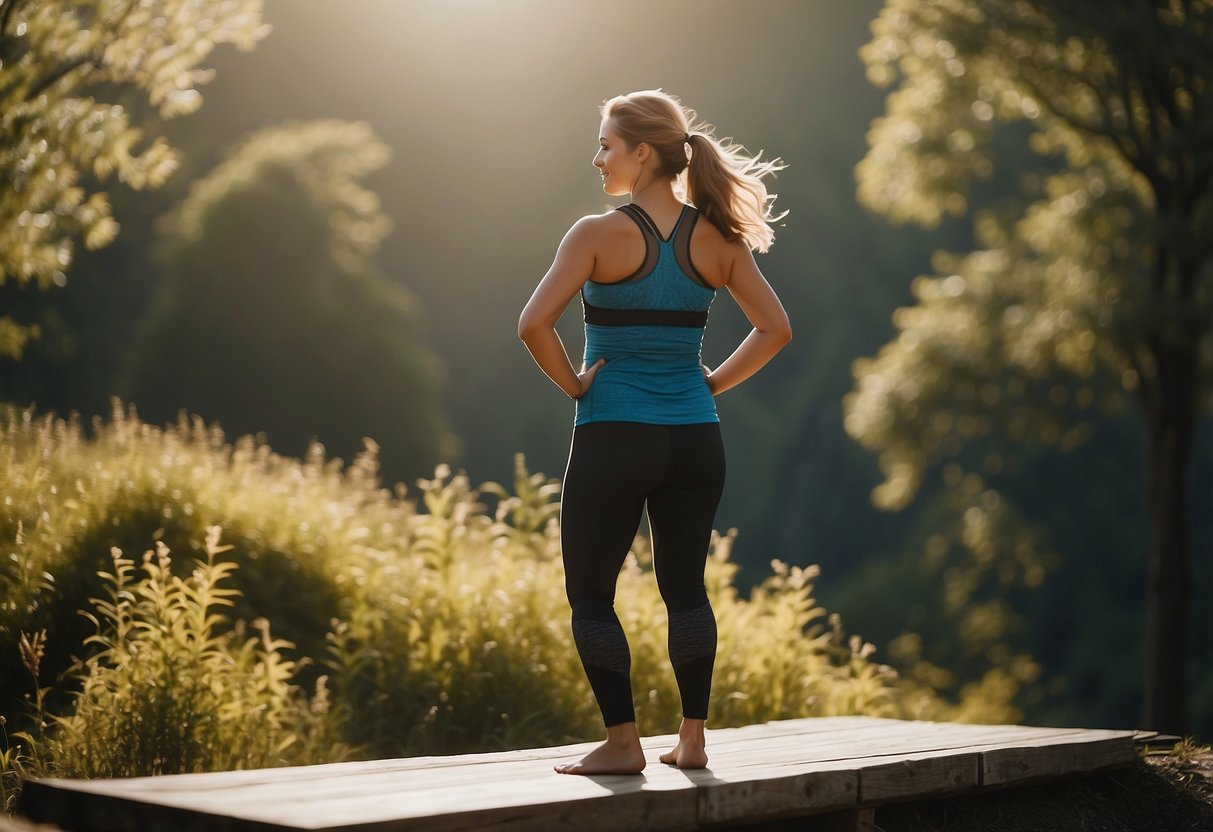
(586, 376)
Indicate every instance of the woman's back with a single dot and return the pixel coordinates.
(621, 245)
(648, 326)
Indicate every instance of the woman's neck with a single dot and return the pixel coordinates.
(656, 194)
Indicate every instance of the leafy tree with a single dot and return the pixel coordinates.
(55, 55)
(273, 316)
(1091, 287)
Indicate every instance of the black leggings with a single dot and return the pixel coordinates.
(614, 469)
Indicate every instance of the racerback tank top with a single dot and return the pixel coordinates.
(649, 328)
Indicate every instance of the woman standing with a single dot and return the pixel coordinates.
(646, 429)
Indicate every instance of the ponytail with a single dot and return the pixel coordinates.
(720, 178)
(725, 184)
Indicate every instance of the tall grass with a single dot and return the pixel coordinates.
(171, 689)
(403, 623)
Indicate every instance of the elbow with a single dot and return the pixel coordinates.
(528, 327)
(781, 333)
(533, 323)
(776, 336)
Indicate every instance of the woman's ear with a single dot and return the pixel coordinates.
(643, 151)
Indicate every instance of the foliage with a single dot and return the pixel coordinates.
(172, 689)
(168, 687)
(54, 57)
(437, 624)
(958, 631)
(1090, 287)
(275, 248)
(1009, 340)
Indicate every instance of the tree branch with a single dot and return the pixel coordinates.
(1106, 123)
(1163, 92)
(1102, 128)
(86, 60)
(1035, 32)
(997, 19)
(1146, 166)
(94, 58)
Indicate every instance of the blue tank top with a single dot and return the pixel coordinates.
(649, 328)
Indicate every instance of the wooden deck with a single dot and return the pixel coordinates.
(793, 767)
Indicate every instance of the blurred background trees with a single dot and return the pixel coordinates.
(1014, 576)
(59, 140)
(272, 316)
(1092, 280)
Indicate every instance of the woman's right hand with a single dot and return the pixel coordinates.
(586, 376)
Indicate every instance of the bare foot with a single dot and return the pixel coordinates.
(685, 756)
(689, 752)
(620, 754)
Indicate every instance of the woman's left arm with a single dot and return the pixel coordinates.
(762, 308)
(572, 267)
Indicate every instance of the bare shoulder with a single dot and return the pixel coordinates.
(713, 254)
(606, 223)
(738, 251)
(596, 230)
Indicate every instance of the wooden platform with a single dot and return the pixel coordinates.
(793, 767)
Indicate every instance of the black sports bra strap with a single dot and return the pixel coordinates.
(650, 246)
(647, 226)
(682, 248)
(601, 316)
(642, 216)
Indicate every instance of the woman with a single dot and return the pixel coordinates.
(646, 429)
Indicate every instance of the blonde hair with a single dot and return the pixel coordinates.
(719, 177)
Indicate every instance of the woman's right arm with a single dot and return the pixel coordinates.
(572, 267)
(772, 330)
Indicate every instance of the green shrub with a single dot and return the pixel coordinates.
(171, 689)
(67, 500)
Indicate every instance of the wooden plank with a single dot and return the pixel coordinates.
(1098, 751)
(924, 738)
(778, 791)
(929, 774)
(834, 745)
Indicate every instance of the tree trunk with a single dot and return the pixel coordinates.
(1171, 424)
